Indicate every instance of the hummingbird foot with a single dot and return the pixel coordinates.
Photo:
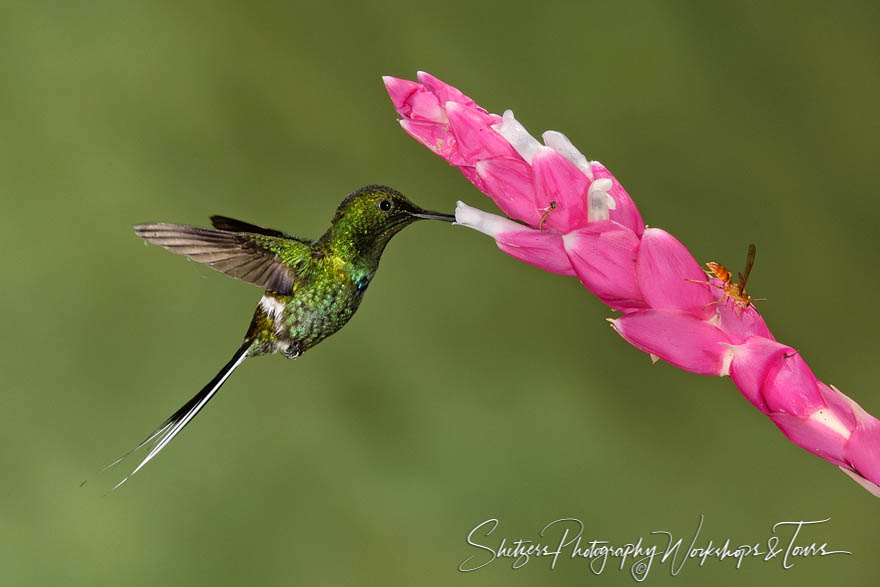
(291, 350)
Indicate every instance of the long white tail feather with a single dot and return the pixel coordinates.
(178, 421)
(158, 431)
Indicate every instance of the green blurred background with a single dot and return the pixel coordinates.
(469, 385)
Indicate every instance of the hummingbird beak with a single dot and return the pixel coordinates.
(425, 215)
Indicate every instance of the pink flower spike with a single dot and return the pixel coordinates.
(414, 101)
(679, 338)
(821, 433)
(426, 107)
(434, 136)
(844, 408)
(790, 387)
(400, 91)
(560, 190)
(475, 138)
(603, 255)
(541, 249)
(663, 269)
(739, 324)
(750, 365)
(510, 184)
(863, 449)
(444, 92)
(581, 221)
(624, 210)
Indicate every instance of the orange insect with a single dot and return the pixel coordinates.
(734, 291)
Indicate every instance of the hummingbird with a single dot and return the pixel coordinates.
(312, 288)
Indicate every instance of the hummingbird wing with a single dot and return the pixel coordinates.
(272, 262)
(233, 225)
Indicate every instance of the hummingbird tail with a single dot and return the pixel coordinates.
(171, 427)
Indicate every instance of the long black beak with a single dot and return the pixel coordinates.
(425, 215)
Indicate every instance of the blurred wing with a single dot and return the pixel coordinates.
(271, 262)
(750, 260)
(232, 225)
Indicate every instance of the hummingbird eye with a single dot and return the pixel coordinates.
(384, 205)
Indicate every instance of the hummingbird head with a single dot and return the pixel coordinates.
(367, 219)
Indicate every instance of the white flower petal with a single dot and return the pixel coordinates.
(597, 200)
(517, 135)
(560, 143)
(490, 224)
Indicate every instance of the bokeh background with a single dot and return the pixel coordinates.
(469, 386)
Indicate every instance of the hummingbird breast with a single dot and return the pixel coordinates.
(315, 309)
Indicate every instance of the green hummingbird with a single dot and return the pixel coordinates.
(312, 288)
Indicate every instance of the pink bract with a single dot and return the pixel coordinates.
(603, 255)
